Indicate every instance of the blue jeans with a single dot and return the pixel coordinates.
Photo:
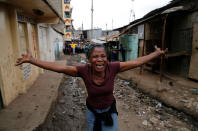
(91, 118)
(73, 51)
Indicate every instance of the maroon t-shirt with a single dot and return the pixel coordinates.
(99, 96)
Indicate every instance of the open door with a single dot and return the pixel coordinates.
(193, 70)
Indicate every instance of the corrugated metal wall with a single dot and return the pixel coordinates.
(130, 44)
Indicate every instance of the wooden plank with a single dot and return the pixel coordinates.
(193, 70)
(163, 40)
(180, 53)
(141, 45)
(147, 32)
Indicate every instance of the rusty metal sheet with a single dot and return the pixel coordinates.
(141, 31)
(193, 70)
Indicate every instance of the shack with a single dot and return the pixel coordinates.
(175, 27)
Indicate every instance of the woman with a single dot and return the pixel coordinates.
(99, 80)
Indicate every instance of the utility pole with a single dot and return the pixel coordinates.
(112, 24)
(92, 19)
(82, 37)
(82, 26)
(132, 13)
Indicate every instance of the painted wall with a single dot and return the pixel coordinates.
(48, 40)
(18, 32)
(15, 37)
(8, 75)
(130, 45)
(68, 19)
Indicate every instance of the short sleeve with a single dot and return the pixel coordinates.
(81, 70)
(115, 67)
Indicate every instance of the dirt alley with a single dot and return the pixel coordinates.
(137, 111)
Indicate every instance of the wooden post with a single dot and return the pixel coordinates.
(117, 52)
(141, 45)
(163, 40)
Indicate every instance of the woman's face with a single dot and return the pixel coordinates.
(98, 59)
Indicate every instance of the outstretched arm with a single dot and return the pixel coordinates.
(53, 66)
(141, 60)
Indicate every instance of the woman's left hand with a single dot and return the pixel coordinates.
(159, 51)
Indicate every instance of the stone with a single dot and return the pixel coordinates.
(163, 118)
(188, 105)
(162, 124)
(185, 101)
(120, 96)
(178, 122)
(195, 104)
(75, 99)
(145, 123)
(126, 107)
(154, 120)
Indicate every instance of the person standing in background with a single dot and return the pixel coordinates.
(122, 50)
(73, 46)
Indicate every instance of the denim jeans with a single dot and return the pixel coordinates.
(90, 120)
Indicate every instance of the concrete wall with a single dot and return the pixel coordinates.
(8, 75)
(56, 43)
(57, 5)
(16, 36)
(48, 40)
(15, 80)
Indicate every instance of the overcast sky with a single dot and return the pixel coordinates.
(106, 11)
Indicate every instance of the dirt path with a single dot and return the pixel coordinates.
(137, 112)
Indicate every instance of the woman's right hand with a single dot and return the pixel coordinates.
(26, 58)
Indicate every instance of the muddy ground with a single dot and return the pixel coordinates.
(137, 111)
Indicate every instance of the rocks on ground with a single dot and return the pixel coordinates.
(153, 114)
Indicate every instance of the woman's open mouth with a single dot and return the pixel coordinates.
(100, 66)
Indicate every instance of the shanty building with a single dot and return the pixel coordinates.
(173, 26)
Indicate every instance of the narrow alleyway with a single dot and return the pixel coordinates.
(68, 112)
(137, 111)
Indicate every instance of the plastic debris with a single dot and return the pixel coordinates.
(194, 92)
(159, 105)
(126, 83)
